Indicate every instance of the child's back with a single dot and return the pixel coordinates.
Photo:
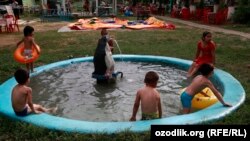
(21, 94)
(198, 84)
(149, 99)
(19, 97)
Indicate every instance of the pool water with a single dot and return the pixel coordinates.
(77, 95)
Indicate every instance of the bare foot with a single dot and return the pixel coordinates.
(52, 110)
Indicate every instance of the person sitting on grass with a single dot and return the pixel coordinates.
(21, 96)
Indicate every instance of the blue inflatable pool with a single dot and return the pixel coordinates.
(233, 93)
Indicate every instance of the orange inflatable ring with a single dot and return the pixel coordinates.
(19, 57)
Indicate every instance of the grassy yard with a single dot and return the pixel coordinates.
(232, 55)
(238, 27)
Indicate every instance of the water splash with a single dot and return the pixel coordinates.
(118, 49)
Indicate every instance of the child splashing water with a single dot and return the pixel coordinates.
(103, 61)
(110, 63)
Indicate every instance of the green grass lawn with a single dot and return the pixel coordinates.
(238, 27)
(232, 55)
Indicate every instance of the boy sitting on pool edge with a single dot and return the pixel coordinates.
(197, 85)
(21, 96)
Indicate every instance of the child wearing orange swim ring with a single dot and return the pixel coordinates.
(29, 43)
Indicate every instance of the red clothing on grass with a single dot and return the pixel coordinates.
(206, 53)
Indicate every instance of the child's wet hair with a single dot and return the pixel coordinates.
(104, 31)
(206, 69)
(151, 78)
(21, 76)
(205, 33)
(27, 31)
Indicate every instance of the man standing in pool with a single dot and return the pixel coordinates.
(149, 98)
(103, 60)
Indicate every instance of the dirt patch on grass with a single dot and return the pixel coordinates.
(46, 26)
(10, 39)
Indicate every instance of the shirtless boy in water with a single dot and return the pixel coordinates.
(149, 98)
(29, 42)
(198, 84)
(21, 96)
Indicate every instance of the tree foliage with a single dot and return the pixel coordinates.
(242, 12)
